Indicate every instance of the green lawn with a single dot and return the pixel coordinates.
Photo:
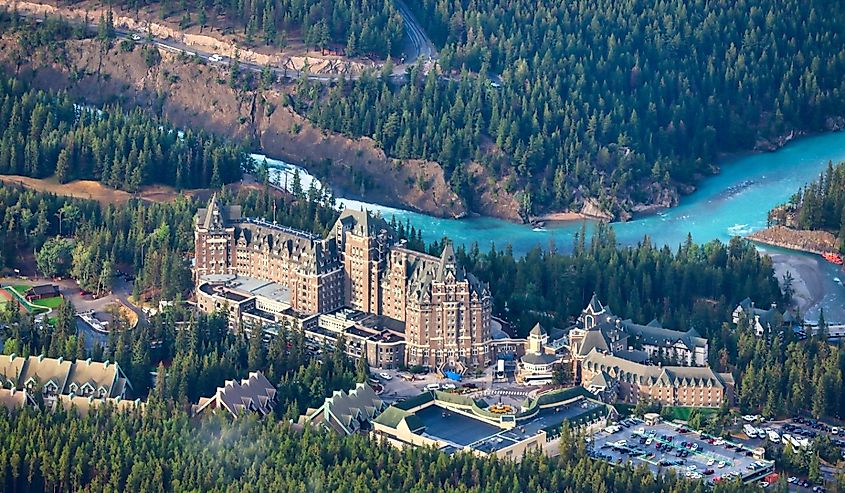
(49, 302)
(19, 291)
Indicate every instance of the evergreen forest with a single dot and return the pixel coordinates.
(625, 102)
(46, 133)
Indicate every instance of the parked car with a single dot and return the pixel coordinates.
(385, 376)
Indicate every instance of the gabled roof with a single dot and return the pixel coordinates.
(43, 290)
(658, 336)
(252, 394)
(600, 380)
(361, 403)
(362, 223)
(97, 376)
(215, 215)
(417, 400)
(593, 339)
(666, 375)
(15, 399)
(40, 370)
(10, 369)
(393, 416)
(633, 355)
(85, 405)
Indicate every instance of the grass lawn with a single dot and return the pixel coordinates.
(53, 302)
(21, 289)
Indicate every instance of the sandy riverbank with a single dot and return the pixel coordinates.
(813, 283)
(560, 217)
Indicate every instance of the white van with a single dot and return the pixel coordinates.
(750, 431)
(432, 386)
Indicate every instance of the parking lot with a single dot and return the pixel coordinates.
(667, 446)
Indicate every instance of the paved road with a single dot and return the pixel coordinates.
(70, 289)
(420, 43)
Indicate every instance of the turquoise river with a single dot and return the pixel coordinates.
(734, 202)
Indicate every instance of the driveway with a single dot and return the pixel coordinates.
(70, 289)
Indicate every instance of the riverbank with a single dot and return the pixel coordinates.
(809, 241)
(814, 283)
(558, 217)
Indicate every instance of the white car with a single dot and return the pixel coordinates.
(721, 464)
(711, 462)
(136, 37)
(215, 58)
(385, 376)
(449, 386)
(432, 386)
(792, 479)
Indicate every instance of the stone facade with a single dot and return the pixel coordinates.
(361, 265)
(598, 328)
(668, 385)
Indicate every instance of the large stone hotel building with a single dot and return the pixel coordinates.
(442, 311)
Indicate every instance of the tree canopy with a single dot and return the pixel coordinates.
(625, 102)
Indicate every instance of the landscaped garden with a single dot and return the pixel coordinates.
(18, 293)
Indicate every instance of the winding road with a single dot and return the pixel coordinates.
(417, 45)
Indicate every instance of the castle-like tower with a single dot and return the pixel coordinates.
(360, 264)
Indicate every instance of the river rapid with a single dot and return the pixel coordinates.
(733, 203)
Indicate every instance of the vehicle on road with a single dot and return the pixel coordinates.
(432, 386)
(136, 37)
(385, 376)
(215, 58)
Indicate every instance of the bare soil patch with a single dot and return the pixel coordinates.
(81, 189)
(93, 190)
(195, 95)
